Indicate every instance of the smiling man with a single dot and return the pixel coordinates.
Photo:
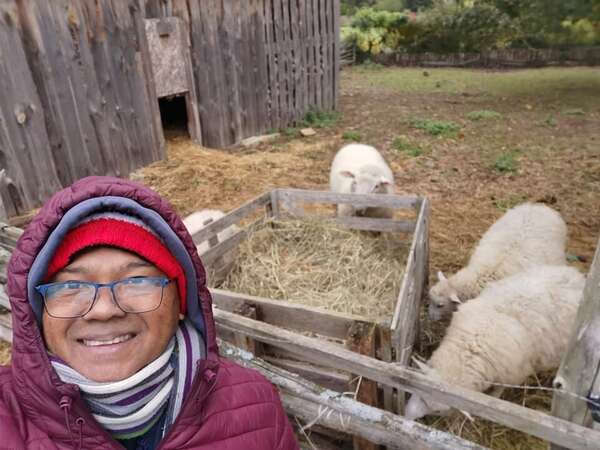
(114, 342)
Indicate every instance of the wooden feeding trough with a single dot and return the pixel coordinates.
(390, 339)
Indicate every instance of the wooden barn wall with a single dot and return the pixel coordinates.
(76, 93)
(258, 64)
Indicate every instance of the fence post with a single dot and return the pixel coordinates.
(579, 367)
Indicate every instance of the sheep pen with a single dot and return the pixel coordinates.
(320, 264)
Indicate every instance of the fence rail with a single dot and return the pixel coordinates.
(506, 58)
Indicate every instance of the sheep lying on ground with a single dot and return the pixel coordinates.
(360, 169)
(222, 266)
(526, 236)
(517, 327)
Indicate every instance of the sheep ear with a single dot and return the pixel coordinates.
(347, 174)
(441, 276)
(455, 299)
(384, 182)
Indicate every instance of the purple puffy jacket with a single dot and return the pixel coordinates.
(229, 407)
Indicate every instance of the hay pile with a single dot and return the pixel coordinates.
(320, 264)
(4, 353)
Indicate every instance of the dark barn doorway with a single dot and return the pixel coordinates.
(174, 117)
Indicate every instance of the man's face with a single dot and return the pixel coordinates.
(108, 344)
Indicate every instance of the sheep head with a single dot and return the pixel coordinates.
(443, 298)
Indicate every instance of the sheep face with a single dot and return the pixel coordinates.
(366, 183)
(418, 407)
(443, 299)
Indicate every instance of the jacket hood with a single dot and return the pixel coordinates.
(31, 368)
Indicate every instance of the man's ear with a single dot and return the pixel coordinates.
(346, 174)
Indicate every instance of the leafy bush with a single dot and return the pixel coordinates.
(372, 32)
(447, 28)
(390, 5)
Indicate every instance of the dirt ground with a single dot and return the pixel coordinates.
(542, 146)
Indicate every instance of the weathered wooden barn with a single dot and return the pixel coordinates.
(82, 83)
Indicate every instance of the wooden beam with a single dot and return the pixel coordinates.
(232, 218)
(295, 316)
(327, 354)
(361, 339)
(579, 367)
(359, 200)
(318, 406)
(9, 236)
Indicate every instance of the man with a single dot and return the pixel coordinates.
(114, 341)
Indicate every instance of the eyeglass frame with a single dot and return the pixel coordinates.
(42, 288)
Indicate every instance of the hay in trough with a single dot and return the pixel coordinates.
(317, 263)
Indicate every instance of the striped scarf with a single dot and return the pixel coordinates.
(130, 407)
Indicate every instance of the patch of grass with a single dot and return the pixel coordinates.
(549, 122)
(402, 145)
(291, 132)
(483, 114)
(316, 118)
(368, 64)
(352, 136)
(272, 131)
(506, 162)
(436, 127)
(506, 203)
(574, 112)
(579, 87)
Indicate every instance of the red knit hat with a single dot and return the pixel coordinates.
(124, 232)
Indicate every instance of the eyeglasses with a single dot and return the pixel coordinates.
(72, 299)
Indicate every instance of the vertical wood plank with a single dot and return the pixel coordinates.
(318, 54)
(24, 143)
(336, 52)
(272, 66)
(361, 339)
(579, 368)
(284, 52)
(260, 68)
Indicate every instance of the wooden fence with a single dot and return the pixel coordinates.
(258, 64)
(504, 58)
(76, 95)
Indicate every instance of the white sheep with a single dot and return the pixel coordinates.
(223, 265)
(515, 328)
(528, 235)
(360, 169)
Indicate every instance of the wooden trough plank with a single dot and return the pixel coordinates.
(223, 247)
(295, 316)
(232, 218)
(358, 200)
(313, 404)
(6, 327)
(403, 327)
(9, 236)
(329, 378)
(4, 302)
(368, 224)
(529, 421)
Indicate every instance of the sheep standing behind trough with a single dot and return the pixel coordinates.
(517, 327)
(222, 266)
(360, 169)
(528, 235)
